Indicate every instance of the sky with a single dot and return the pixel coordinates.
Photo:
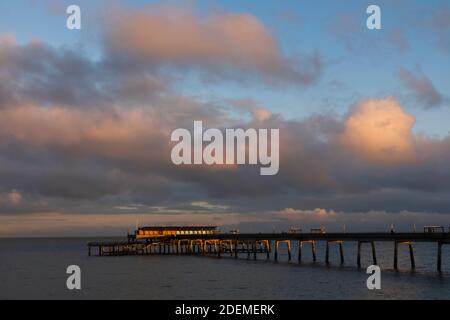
(86, 115)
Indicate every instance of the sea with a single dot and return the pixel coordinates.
(36, 269)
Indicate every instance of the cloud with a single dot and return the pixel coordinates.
(100, 160)
(67, 76)
(82, 137)
(208, 206)
(399, 39)
(379, 131)
(70, 224)
(225, 44)
(421, 87)
(439, 24)
(250, 106)
(56, 224)
(351, 31)
(134, 136)
(12, 198)
(302, 215)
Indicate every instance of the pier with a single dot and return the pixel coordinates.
(252, 244)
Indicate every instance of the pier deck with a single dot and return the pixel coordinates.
(254, 243)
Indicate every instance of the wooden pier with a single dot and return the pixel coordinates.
(253, 244)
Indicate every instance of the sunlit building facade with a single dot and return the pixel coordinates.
(155, 232)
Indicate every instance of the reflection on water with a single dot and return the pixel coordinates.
(35, 269)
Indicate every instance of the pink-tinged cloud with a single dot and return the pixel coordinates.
(12, 198)
(117, 144)
(112, 134)
(95, 225)
(57, 224)
(302, 215)
(379, 131)
(220, 42)
(315, 153)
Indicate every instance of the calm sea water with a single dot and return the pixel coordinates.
(35, 269)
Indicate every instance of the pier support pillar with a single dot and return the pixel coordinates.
(236, 249)
(230, 243)
(254, 250)
(395, 255)
(374, 253)
(288, 243)
(289, 250)
(275, 255)
(327, 250)
(300, 244)
(358, 259)
(313, 248)
(341, 250)
(411, 256)
(439, 257)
